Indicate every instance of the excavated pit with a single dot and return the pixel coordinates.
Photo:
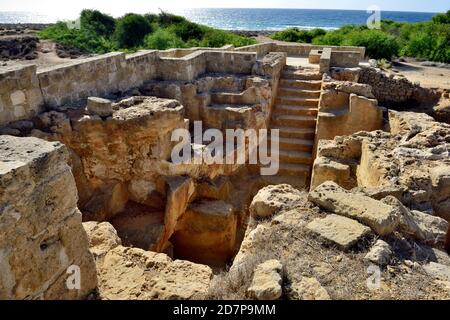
(122, 165)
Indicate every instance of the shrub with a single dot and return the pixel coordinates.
(290, 34)
(296, 35)
(217, 38)
(152, 18)
(187, 30)
(379, 45)
(96, 34)
(333, 38)
(442, 18)
(166, 19)
(163, 39)
(99, 23)
(131, 30)
(84, 39)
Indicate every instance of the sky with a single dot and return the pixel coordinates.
(119, 7)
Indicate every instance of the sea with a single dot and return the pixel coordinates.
(253, 19)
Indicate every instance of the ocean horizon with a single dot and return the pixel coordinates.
(251, 19)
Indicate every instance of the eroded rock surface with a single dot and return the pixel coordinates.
(411, 162)
(308, 289)
(341, 231)
(273, 199)
(382, 218)
(267, 279)
(380, 253)
(135, 274)
(40, 226)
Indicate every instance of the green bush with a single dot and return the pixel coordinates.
(187, 30)
(297, 35)
(379, 45)
(442, 18)
(334, 38)
(99, 23)
(427, 40)
(163, 39)
(101, 33)
(152, 18)
(84, 39)
(218, 38)
(166, 19)
(131, 30)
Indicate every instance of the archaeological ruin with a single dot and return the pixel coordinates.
(88, 186)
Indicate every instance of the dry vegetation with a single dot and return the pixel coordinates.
(343, 274)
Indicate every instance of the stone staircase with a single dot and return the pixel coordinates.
(295, 115)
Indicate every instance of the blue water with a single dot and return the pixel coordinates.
(277, 19)
(254, 19)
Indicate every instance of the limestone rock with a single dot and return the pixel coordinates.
(267, 279)
(181, 280)
(382, 218)
(274, 199)
(135, 274)
(419, 225)
(102, 237)
(380, 253)
(342, 231)
(40, 224)
(247, 247)
(356, 88)
(100, 107)
(438, 271)
(308, 289)
(180, 191)
(325, 169)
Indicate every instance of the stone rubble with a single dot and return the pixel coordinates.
(380, 253)
(308, 289)
(132, 273)
(267, 280)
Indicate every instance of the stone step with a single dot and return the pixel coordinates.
(296, 144)
(290, 169)
(295, 121)
(298, 93)
(295, 101)
(301, 84)
(295, 110)
(297, 157)
(293, 132)
(300, 75)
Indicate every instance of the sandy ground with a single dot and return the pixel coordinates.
(429, 77)
(47, 57)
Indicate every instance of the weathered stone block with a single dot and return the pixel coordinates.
(342, 231)
(41, 229)
(382, 218)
